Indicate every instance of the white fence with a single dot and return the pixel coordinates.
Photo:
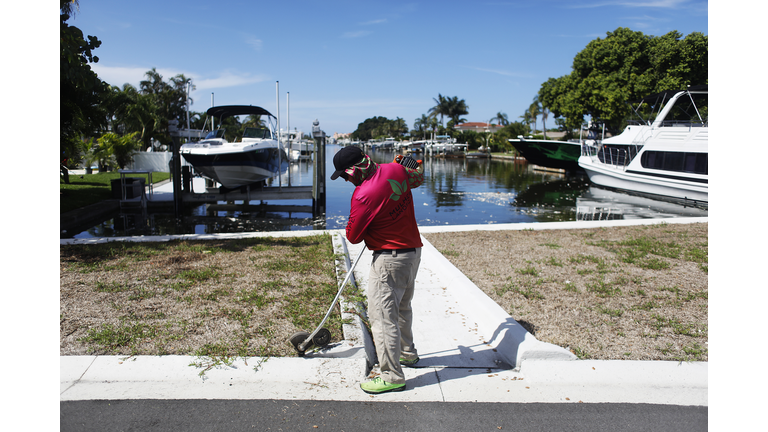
(153, 161)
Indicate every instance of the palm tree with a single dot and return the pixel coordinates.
(544, 115)
(399, 127)
(526, 119)
(534, 110)
(432, 124)
(170, 98)
(421, 125)
(440, 108)
(141, 114)
(254, 120)
(502, 118)
(456, 109)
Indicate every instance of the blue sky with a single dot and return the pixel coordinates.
(346, 61)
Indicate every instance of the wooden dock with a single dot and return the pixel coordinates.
(248, 195)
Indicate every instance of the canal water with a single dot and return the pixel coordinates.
(456, 192)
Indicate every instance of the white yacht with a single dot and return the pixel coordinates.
(665, 156)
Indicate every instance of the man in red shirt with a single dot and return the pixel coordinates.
(382, 215)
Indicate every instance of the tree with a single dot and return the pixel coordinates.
(121, 148)
(373, 127)
(456, 108)
(526, 120)
(622, 67)
(512, 130)
(501, 118)
(169, 100)
(80, 91)
(398, 127)
(233, 128)
(440, 108)
(254, 120)
(533, 112)
(421, 125)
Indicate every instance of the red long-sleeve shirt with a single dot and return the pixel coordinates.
(382, 211)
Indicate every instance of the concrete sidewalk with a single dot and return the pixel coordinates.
(470, 349)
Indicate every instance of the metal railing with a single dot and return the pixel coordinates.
(617, 157)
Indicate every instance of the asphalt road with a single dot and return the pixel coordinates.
(299, 415)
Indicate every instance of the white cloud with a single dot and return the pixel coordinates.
(378, 21)
(501, 72)
(356, 34)
(253, 41)
(665, 4)
(117, 76)
(227, 79)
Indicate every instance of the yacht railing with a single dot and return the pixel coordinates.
(616, 157)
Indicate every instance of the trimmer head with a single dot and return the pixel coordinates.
(296, 340)
(320, 339)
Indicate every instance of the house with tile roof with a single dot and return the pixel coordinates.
(479, 127)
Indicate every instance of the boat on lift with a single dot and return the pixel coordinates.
(663, 156)
(255, 156)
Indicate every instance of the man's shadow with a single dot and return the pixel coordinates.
(499, 353)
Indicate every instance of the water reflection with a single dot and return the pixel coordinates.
(455, 192)
(603, 204)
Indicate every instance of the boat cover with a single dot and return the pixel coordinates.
(224, 111)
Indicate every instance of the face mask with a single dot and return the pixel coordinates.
(361, 171)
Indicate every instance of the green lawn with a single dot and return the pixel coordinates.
(87, 189)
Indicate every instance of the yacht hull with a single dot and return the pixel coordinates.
(235, 169)
(549, 153)
(616, 177)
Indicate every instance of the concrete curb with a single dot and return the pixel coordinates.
(559, 225)
(510, 339)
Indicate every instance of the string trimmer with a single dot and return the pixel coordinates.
(302, 340)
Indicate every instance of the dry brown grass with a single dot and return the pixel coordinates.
(209, 298)
(637, 293)
(610, 293)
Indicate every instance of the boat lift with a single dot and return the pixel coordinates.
(183, 193)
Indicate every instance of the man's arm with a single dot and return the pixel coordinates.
(415, 176)
(360, 217)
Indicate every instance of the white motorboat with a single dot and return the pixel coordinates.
(415, 146)
(256, 156)
(298, 147)
(445, 146)
(666, 156)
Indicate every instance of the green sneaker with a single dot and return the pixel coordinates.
(409, 363)
(378, 385)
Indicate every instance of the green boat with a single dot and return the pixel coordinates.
(549, 153)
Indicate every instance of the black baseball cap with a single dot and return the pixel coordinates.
(345, 158)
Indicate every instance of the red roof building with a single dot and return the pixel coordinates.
(479, 127)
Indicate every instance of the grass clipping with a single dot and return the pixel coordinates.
(213, 299)
(634, 293)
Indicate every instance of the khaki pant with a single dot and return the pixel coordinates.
(390, 291)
